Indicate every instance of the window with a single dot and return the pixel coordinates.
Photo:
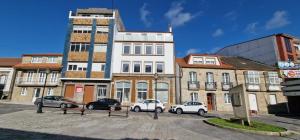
(29, 76)
(103, 67)
(36, 60)
(273, 78)
(82, 29)
(194, 97)
(51, 59)
(100, 47)
(210, 61)
(159, 67)
(50, 92)
(142, 91)
(72, 67)
(137, 67)
(123, 91)
(209, 77)
(197, 60)
(101, 91)
(102, 29)
(79, 47)
(288, 44)
(148, 67)
(53, 77)
(3, 79)
(273, 100)
(193, 76)
(137, 49)
(23, 91)
(126, 49)
(148, 50)
(125, 66)
(159, 50)
(225, 78)
(227, 98)
(77, 66)
(42, 77)
(100, 67)
(252, 77)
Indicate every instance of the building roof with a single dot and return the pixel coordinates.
(38, 66)
(94, 11)
(246, 64)
(44, 54)
(9, 62)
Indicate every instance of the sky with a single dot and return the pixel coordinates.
(199, 26)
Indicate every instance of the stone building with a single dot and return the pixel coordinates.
(7, 76)
(33, 72)
(205, 78)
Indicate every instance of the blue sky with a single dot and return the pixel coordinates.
(200, 26)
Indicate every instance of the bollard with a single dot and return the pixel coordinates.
(65, 108)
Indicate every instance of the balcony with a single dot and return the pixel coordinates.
(193, 85)
(140, 36)
(226, 86)
(273, 87)
(252, 87)
(35, 82)
(211, 86)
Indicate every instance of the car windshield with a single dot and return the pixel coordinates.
(184, 103)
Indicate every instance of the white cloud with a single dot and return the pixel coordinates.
(251, 27)
(218, 32)
(278, 20)
(192, 50)
(177, 16)
(232, 15)
(144, 15)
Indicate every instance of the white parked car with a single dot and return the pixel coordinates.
(189, 107)
(148, 105)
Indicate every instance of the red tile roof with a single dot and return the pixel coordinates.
(183, 63)
(38, 66)
(9, 62)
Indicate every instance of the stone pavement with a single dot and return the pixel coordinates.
(52, 124)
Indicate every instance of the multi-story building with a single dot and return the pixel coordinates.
(205, 78)
(7, 76)
(137, 56)
(262, 84)
(88, 53)
(268, 50)
(35, 71)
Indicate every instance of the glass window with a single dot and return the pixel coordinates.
(225, 78)
(210, 61)
(197, 60)
(29, 77)
(137, 67)
(148, 50)
(137, 49)
(288, 44)
(50, 92)
(227, 98)
(273, 100)
(24, 91)
(159, 50)
(53, 77)
(100, 47)
(101, 91)
(252, 77)
(142, 91)
(123, 89)
(159, 67)
(126, 49)
(103, 67)
(51, 60)
(42, 77)
(148, 67)
(273, 78)
(3, 79)
(36, 60)
(193, 76)
(125, 66)
(194, 97)
(209, 77)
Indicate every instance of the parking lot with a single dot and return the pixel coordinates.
(22, 122)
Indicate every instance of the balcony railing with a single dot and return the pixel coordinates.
(253, 86)
(273, 87)
(226, 86)
(211, 86)
(36, 82)
(193, 85)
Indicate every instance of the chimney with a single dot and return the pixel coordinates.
(170, 28)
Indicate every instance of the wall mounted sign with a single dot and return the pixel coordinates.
(290, 73)
(287, 65)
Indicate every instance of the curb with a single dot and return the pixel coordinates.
(281, 134)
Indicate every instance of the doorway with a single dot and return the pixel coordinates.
(210, 101)
(253, 102)
(36, 94)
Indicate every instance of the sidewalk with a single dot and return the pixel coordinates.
(12, 102)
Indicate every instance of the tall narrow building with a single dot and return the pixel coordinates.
(86, 73)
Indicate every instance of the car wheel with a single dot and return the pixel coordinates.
(201, 112)
(91, 107)
(179, 111)
(158, 110)
(137, 109)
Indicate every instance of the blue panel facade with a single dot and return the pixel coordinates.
(109, 48)
(67, 47)
(91, 50)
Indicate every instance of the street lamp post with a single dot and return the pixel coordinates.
(40, 105)
(155, 110)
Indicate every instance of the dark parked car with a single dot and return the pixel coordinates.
(54, 101)
(104, 104)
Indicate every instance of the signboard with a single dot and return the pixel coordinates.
(78, 96)
(240, 103)
(290, 73)
(287, 65)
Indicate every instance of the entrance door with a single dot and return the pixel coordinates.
(36, 94)
(253, 102)
(69, 91)
(210, 101)
(88, 94)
